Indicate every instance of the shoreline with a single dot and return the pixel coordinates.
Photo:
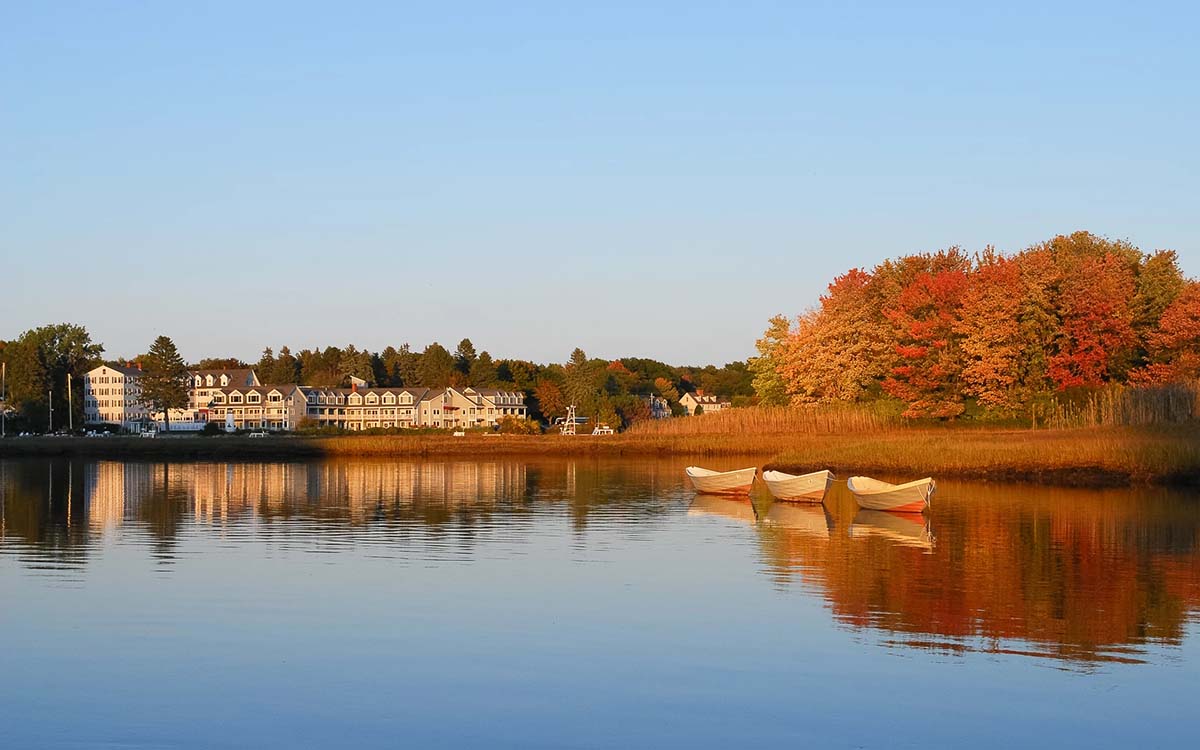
(1088, 457)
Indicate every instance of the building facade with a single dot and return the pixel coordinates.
(446, 408)
(237, 398)
(264, 407)
(112, 394)
(706, 404)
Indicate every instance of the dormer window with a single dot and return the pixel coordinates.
(208, 381)
(235, 398)
(224, 380)
(218, 398)
(253, 398)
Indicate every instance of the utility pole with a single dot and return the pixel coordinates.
(50, 419)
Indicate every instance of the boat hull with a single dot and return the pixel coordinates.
(806, 488)
(722, 482)
(904, 498)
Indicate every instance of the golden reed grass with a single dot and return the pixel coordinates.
(822, 419)
(1129, 406)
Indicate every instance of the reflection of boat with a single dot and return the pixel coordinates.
(811, 520)
(872, 494)
(810, 487)
(904, 528)
(722, 482)
(723, 505)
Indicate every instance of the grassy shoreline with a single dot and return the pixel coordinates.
(1088, 457)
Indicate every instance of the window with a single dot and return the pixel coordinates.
(235, 398)
(253, 398)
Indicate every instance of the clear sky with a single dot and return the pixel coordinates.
(636, 179)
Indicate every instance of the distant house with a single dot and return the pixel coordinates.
(660, 408)
(698, 401)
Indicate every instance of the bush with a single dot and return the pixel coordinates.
(212, 428)
(511, 425)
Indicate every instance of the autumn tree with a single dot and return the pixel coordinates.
(1175, 345)
(550, 400)
(667, 390)
(989, 331)
(1097, 321)
(768, 381)
(164, 380)
(925, 315)
(842, 350)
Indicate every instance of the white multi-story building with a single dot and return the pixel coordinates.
(113, 395)
(369, 408)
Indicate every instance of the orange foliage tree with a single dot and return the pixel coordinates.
(942, 333)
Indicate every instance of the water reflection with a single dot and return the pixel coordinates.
(1081, 576)
(1078, 575)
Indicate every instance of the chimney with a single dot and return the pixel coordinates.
(353, 386)
(699, 391)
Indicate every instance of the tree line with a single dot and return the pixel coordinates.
(614, 391)
(993, 335)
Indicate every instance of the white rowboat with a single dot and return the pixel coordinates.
(722, 482)
(872, 494)
(805, 487)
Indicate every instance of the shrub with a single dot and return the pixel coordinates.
(511, 425)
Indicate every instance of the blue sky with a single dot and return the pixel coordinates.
(635, 179)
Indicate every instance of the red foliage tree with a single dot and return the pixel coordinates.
(1097, 320)
(925, 316)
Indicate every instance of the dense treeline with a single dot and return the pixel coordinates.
(994, 335)
(613, 391)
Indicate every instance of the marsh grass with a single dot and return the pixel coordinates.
(825, 419)
(1128, 406)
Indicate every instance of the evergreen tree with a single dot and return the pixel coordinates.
(483, 371)
(464, 356)
(437, 366)
(164, 378)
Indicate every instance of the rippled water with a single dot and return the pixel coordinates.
(581, 604)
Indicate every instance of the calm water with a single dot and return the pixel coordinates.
(581, 604)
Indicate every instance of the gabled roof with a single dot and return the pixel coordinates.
(241, 377)
(134, 371)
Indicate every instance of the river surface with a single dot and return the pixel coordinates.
(585, 604)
